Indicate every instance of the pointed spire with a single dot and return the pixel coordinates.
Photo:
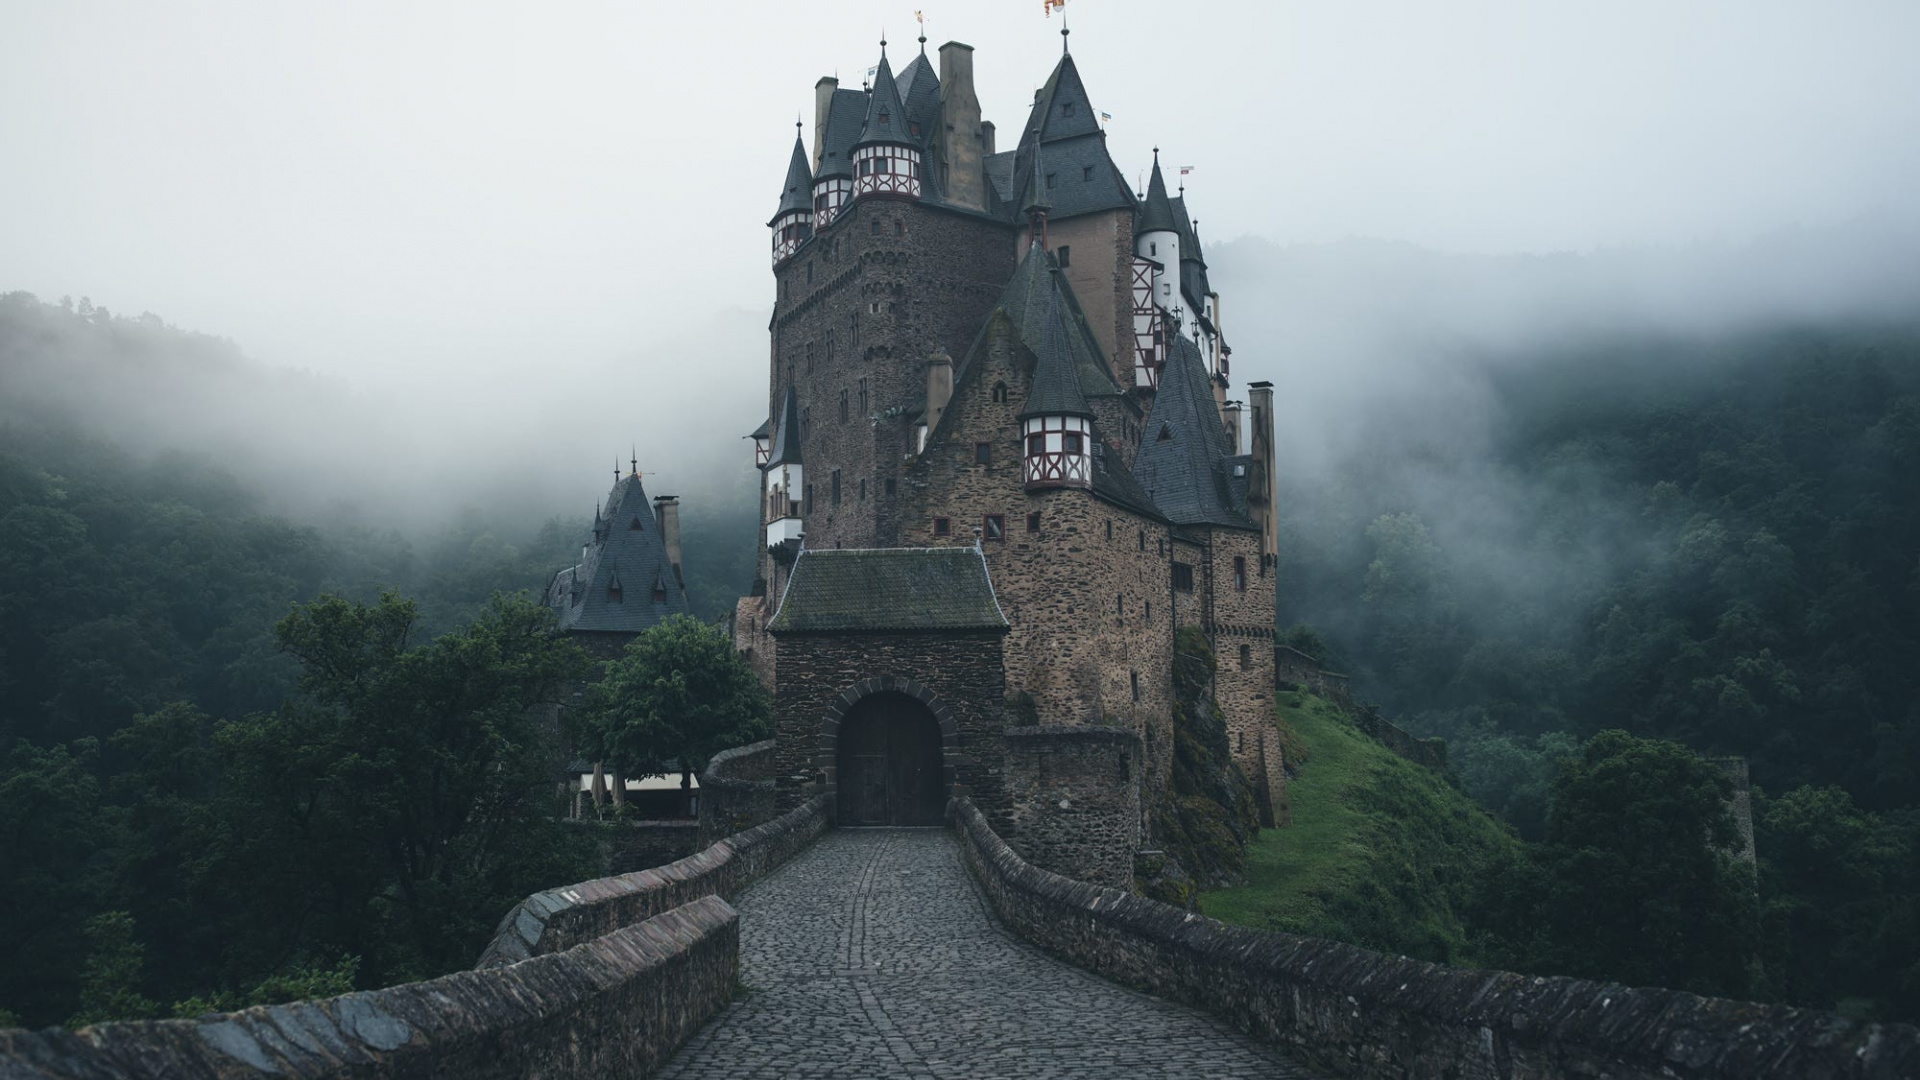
(616, 469)
(1063, 31)
(1037, 204)
(1156, 214)
(786, 433)
(797, 194)
(886, 113)
(1056, 379)
(633, 459)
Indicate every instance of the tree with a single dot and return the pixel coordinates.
(1637, 881)
(679, 693)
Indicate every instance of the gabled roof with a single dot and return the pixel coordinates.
(1183, 454)
(1056, 380)
(1156, 214)
(786, 433)
(1027, 298)
(1112, 482)
(627, 552)
(888, 589)
(798, 193)
(886, 120)
(846, 112)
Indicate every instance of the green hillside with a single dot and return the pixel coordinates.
(1381, 852)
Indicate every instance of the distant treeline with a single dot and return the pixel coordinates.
(1715, 542)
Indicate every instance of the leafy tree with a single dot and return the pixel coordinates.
(110, 981)
(51, 830)
(1637, 880)
(678, 693)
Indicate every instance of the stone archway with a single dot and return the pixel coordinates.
(890, 743)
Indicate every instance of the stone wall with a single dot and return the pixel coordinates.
(1244, 670)
(617, 1005)
(737, 791)
(559, 919)
(1362, 1013)
(870, 299)
(821, 675)
(1073, 803)
(1100, 271)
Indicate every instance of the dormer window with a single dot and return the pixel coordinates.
(1050, 177)
(913, 129)
(613, 590)
(635, 525)
(1066, 109)
(1166, 432)
(659, 593)
(883, 118)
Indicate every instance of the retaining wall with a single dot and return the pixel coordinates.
(1073, 805)
(1295, 668)
(558, 919)
(613, 1006)
(1362, 1013)
(736, 791)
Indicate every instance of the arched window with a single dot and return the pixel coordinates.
(1000, 391)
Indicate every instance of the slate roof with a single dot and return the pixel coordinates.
(1193, 264)
(764, 430)
(1062, 109)
(1071, 143)
(1112, 482)
(886, 120)
(920, 90)
(1156, 214)
(888, 589)
(798, 193)
(1186, 472)
(786, 434)
(634, 558)
(1056, 379)
(846, 113)
(1029, 296)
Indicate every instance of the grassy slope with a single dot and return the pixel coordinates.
(1381, 852)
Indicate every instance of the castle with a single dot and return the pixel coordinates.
(1000, 471)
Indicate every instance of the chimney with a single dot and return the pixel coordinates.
(1260, 471)
(822, 104)
(666, 514)
(960, 150)
(939, 385)
(986, 137)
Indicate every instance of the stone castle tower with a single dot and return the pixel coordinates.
(1001, 470)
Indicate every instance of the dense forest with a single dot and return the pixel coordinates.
(1713, 541)
(216, 785)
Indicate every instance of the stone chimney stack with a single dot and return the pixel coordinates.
(939, 383)
(1230, 416)
(666, 514)
(986, 138)
(1260, 472)
(962, 145)
(822, 102)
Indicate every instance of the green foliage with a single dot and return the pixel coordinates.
(110, 979)
(1381, 852)
(1206, 816)
(1637, 881)
(50, 829)
(679, 693)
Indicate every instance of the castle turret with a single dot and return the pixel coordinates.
(838, 115)
(792, 223)
(1157, 239)
(887, 159)
(785, 483)
(1056, 424)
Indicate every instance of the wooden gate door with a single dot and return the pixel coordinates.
(889, 764)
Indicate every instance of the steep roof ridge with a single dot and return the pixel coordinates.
(920, 92)
(1186, 472)
(886, 113)
(1056, 378)
(1051, 118)
(625, 556)
(798, 193)
(786, 433)
(846, 113)
(1156, 214)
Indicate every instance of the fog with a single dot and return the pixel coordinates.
(503, 245)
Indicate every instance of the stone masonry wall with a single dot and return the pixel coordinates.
(1073, 803)
(821, 675)
(1366, 1014)
(1100, 270)
(737, 791)
(1086, 594)
(617, 1005)
(558, 919)
(1242, 636)
(872, 298)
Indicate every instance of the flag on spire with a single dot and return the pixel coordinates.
(1049, 5)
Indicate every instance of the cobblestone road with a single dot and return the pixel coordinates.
(874, 954)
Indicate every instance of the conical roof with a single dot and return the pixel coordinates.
(846, 111)
(798, 194)
(886, 114)
(1036, 189)
(1056, 376)
(1156, 214)
(602, 592)
(1183, 450)
(786, 433)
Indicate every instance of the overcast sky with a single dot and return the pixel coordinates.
(417, 193)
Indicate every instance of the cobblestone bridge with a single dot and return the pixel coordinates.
(874, 954)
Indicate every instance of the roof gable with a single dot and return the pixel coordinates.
(625, 583)
(1062, 110)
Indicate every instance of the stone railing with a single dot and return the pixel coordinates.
(614, 1006)
(1362, 1013)
(558, 919)
(736, 791)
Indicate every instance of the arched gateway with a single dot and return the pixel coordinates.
(889, 765)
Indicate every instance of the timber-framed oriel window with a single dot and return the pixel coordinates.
(886, 169)
(1056, 451)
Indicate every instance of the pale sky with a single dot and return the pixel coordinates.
(481, 194)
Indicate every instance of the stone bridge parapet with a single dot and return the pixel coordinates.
(1363, 1013)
